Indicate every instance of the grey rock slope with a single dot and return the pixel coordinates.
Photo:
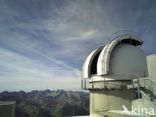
(48, 103)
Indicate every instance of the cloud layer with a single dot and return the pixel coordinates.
(43, 43)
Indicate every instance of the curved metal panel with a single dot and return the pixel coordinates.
(101, 64)
(87, 64)
(104, 57)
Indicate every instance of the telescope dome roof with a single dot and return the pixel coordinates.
(119, 59)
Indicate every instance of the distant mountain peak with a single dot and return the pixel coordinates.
(46, 103)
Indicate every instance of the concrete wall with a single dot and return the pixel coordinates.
(151, 63)
(103, 101)
(7, 109)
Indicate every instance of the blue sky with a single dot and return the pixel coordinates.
(43, 42)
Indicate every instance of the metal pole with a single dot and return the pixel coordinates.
(151, 86)
(144, 83)
(85, 84)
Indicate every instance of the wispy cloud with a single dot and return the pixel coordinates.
(43, 45)
(20, 71)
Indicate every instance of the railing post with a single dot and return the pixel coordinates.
(151, 86)
(138, 81)
(104, 84)
(85, 83)
(82, 83)
(145, 83)
(92, 84)
(138, 91)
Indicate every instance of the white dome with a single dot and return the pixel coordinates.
(120, 59)
(127, 62)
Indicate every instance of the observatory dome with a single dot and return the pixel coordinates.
(121, 59)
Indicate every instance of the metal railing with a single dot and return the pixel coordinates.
(145, 83)
(139, 83)
(89, 83)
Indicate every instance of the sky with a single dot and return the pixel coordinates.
(43, 43)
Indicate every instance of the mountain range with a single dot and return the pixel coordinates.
(46, 103)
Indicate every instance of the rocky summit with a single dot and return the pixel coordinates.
(58, 103)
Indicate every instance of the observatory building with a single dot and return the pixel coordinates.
(121, 79)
